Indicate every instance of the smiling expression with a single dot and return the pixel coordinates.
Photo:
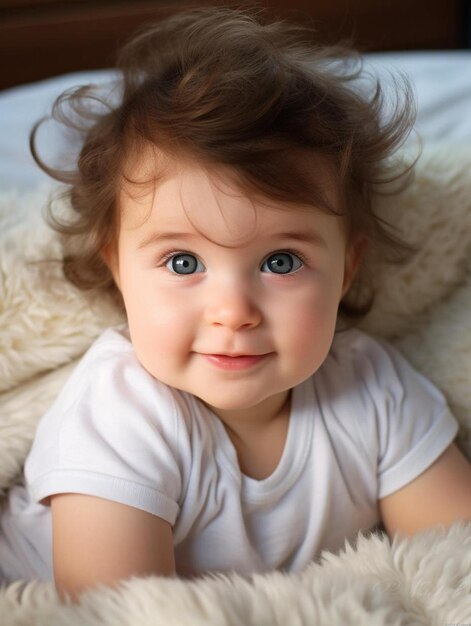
(228, 297)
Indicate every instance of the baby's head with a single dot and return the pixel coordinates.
(249, 137)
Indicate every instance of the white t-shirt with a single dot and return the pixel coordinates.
(364, 425)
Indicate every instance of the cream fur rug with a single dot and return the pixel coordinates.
(423, 307)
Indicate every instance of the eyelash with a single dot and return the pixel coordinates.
(171, 253)
(300, 255)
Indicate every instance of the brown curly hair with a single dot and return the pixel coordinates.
(229, 87)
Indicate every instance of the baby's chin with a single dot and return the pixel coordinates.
(228, 405)
(245, 409)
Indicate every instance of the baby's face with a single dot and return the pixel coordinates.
(231, 299)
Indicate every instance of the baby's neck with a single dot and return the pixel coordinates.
(259, 445)
(254, 421)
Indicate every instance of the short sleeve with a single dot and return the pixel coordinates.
(113, 434)
(406, 421)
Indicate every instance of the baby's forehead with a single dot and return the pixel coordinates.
(146, 163)
(191, 199)
(171, 194)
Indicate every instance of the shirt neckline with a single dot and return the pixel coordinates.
(294, 455)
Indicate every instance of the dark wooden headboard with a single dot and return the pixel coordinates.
(41, 38)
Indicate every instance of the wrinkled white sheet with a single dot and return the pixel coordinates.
(442, 82)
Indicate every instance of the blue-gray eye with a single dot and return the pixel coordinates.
(184, 264)
(282, 263)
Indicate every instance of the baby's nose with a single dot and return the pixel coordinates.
(234, 308)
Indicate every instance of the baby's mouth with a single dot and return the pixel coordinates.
(236, 361)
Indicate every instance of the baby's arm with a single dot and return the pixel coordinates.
(97, 541)
(440, 495)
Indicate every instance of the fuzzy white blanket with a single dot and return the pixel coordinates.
(423, 307)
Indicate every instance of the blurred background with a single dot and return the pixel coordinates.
(43, 38)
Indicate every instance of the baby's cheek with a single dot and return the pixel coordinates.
(158, 354)
(163, 335)
(312, 332)
(158, 335)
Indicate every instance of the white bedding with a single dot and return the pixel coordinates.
(442, 83)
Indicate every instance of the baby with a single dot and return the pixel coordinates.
(237, 422)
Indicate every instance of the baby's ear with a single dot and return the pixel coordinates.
(354, 256)
(109, 254)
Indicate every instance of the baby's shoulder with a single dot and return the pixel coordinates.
(355, 343)
(358, 354)
(111, 366)
(368, 375)
(112, 398)
(112, 345)
(369, 371)
(110, 380)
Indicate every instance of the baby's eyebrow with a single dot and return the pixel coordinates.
(155, 238)
(308, 236)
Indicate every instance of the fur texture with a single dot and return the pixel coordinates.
(423, 307)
